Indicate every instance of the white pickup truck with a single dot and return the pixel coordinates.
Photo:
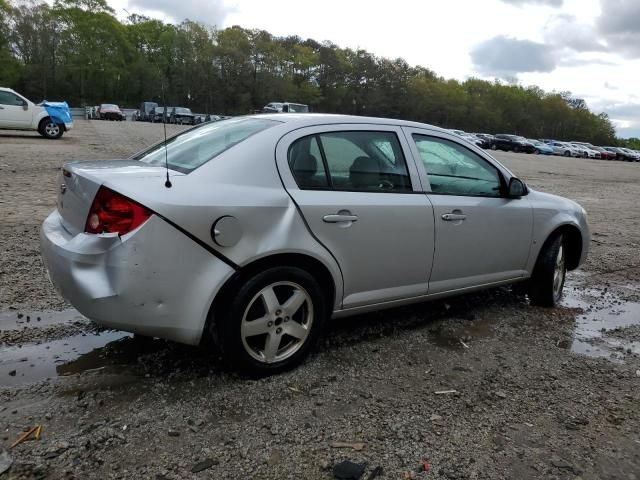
(50, 119)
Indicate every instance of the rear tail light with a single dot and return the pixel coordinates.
(112, 212)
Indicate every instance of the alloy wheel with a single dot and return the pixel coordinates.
(558, 274)
(277, 322)
(52, 129)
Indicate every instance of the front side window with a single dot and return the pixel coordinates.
(353, 161)
(8, 98)
(454, 170)
(196, 146)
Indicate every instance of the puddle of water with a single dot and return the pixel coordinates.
(602, 312)
(17, 320)
(34, 362)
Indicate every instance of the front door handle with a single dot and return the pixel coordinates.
(338, 217)
(453, 217)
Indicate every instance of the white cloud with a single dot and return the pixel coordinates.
(212, 12)
(507, 57)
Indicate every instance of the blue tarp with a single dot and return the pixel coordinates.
(59, 111)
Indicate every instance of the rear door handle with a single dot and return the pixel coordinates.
(453, 217)
(337, 218)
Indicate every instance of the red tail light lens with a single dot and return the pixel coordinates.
(112, 212)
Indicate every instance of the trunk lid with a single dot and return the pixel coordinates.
(79, 182)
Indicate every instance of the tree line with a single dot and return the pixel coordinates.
(79, 51)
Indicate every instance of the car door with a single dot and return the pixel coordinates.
(481, 236)
(13, 113)
(358, 190)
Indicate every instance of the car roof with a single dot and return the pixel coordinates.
(299, 120)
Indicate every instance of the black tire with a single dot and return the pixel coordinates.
(545, 289)
(494, 147)
(49, 129)
(516, 149)
(228, 324)
(567, 153)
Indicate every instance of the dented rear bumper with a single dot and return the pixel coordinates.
(153, 281)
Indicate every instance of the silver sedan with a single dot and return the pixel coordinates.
(249, 233)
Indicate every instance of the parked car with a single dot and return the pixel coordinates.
(146, 111)
(604, 154)
(335, 219)
(469, 137)
(541, 148)
(621, 154)
(285, 107)
(49, 119)
(565, 149)
(182, 116)
(635, 156)
(159, 115)
(585, 151)
(487, 139)
(513, 143)
(110, 111)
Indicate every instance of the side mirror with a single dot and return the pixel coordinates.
(25, 105)
(516, 188)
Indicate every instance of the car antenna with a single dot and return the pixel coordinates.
(167, 182)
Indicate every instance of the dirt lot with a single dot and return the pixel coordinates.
(533, 393)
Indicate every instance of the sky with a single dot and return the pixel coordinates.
(588, 47)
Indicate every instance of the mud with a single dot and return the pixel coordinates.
(535, 393)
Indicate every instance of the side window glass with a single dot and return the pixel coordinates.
(365, 161)
(454, 170)
(305, 161)
(8, 98)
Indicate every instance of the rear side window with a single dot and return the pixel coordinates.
(353, 161)
(196, 146)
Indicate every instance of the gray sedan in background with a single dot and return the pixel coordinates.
(260, 228)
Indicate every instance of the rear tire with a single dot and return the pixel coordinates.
(549, 274)
(49, 129)
(272, 322)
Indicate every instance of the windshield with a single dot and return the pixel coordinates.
(108, 105)
(196, 146)
(182, 110)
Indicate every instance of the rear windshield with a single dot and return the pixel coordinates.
(196, 146)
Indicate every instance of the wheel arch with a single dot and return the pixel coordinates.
(46, 118)
(300, 260)
(572, 239)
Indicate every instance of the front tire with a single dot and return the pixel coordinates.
(49, 129)
(549, 274)
(273, 321)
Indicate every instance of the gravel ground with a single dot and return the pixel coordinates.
(528, 392)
